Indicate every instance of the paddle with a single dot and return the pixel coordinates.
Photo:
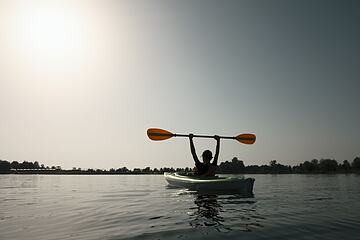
(158, 134)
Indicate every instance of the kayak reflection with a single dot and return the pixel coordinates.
(206, 213)
(213, 212)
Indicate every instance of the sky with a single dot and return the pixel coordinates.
(82, 81)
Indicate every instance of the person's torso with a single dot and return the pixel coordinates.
(203, 169)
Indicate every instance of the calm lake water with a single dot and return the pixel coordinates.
(142, 207)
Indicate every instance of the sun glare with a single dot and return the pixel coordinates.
(44, 31)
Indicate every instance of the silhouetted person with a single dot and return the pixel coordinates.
(205, 168)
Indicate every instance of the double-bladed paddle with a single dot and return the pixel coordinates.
(158, 134)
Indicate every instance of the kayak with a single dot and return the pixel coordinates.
(227, 184)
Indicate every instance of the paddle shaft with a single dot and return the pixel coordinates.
(201, 136)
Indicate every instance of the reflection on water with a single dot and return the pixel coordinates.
(297, 207)
(216, 212)
(206, 212)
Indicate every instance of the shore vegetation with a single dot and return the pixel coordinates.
(235, 166)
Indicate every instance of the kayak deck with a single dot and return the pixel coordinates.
(216, 183)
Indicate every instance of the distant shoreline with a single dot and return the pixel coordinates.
(70, 172)
(235, 166)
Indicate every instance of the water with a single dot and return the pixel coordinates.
(142, 207)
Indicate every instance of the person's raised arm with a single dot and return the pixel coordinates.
(192, 148)
(217, 138)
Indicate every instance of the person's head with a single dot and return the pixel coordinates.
(207, 156)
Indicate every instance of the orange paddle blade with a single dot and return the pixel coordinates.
(246, 138)
(158, 134)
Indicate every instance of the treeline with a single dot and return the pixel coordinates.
(228, 167)
(313, 166)
(34, 167)
(6, 166)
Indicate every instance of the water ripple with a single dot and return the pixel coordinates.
(142, 207)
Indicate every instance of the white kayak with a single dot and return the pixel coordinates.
(198, 183)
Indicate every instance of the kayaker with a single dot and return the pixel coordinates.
(205, 168)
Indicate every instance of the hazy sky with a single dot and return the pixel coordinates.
(81, 81)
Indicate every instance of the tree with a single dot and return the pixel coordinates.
(328, 165)
(315, 162)
(15, 165)
(272, 163)
(309, 166)
(5, 166)
(122, 170)
(356, 163)
(235, 166)
(346, 165)
(36, 165)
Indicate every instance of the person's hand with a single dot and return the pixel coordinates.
(191, 136)
(217, 138)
